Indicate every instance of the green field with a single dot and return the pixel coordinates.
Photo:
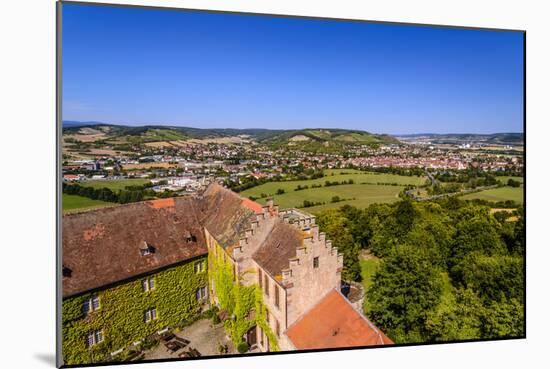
(73, 202)
(498, 194)
(358, 194)
(505, 179)
(116, 184)
(368, 268)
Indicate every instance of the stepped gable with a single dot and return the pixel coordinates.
(227, 215)
(280, 246)
(113, 244)
(334, 323)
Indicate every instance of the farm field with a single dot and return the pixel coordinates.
(371, 177)
(74, 202)
(115, 184)
(505, 179)
(358, 194)
(498, 194)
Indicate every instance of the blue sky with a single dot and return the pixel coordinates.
(147, 66)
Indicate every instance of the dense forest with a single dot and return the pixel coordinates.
(450, 269)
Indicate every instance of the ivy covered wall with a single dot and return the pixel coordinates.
(244, 304)
(122, 308)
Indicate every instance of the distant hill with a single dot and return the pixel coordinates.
(506, 138)
(75, 123)
(326, 140)
(309, 138)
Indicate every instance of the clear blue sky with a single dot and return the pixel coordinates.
(146, 66)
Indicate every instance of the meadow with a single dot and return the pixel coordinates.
(498, 194)
(504, 179)
(368, 188)
(74, 202)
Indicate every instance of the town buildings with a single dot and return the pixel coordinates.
(136, 269)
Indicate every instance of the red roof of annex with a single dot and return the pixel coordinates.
(334, 323)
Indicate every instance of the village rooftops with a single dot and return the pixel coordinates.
(334, 323)
(109, 245)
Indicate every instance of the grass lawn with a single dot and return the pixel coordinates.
(506, 178)
(447, 295)
(364, 194)
(73, 202)
(115, 184)
(368, 268)
(498, 194)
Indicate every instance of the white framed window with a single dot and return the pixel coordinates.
(91, 304)
(200, 266)
(150, 314)
(148, 284)
(201, 294)
(94, 337)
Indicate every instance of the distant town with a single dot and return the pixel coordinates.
(175, 161)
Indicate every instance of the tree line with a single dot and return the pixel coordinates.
(127, 195)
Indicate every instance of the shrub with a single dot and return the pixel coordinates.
(215, 319)
(242, 347)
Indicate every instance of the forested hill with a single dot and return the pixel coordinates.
(309, 137)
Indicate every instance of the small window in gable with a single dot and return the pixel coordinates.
(146, 249)
(67, 272)
(189, 237)
(316, 262)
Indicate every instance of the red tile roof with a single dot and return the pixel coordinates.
(334, 323)
(102, 247)
(253, 205)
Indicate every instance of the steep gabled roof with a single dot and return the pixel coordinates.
(334, 323)
(105, 246)
(226, 215)
(279, 246)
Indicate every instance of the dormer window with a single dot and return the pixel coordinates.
(146, 249)
(189, 237)
(67, 272)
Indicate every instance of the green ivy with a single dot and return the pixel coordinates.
(239, 301)
(122, 308)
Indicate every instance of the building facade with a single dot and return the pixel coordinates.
(133, 270)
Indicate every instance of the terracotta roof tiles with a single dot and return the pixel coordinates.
(334, 323)
(104, 246)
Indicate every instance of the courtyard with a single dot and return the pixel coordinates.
(203, 337)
